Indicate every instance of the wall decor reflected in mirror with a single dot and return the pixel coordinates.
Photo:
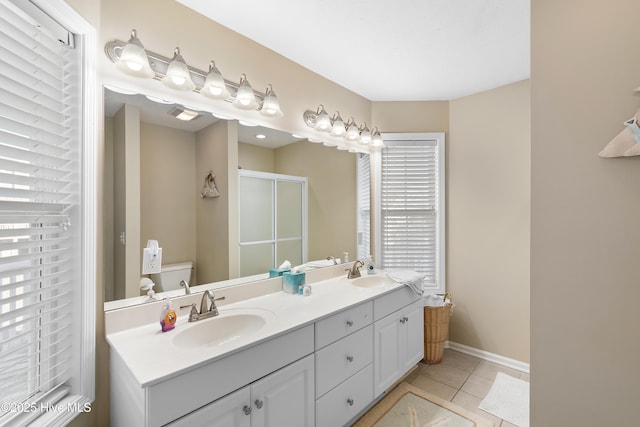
(157, 156)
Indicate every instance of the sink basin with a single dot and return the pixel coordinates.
(371, 281)
(228, 326)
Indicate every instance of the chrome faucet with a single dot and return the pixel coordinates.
(354, 271)
(205, 312)
(330, 258)
(185, 285)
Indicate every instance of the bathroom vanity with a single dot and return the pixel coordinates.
(270, 360)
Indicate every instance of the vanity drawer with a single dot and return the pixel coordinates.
(343, 323)
(393, 301)
(338, 361)
(346, 401)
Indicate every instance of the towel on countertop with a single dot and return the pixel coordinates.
(410, 278)
(320, 263)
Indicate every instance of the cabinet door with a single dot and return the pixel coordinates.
(231, 410)
(413, 335)
(286, 397)
(388, 352)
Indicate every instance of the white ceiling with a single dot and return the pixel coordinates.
(390, 50)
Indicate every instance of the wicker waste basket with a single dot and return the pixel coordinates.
(436, 329)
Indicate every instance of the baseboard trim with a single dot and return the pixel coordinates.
(490, 357)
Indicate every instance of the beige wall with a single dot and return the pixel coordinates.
(488, 203)
(256, 158)
(331, 195)
(126, 206)
(168, 191)
(585, 238)
(416, 116)
(214, 144)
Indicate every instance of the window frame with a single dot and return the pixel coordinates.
(376, 160)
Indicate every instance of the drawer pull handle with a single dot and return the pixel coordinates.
(349, 322)
(246, 409)
(259, 403)
(349, 358)
(350, 402)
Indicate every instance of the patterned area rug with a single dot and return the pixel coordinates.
(410, 406)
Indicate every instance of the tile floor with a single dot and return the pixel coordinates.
(462, 379)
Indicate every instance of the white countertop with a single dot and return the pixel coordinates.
(152, 356)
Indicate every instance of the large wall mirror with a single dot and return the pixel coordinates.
(156, 165)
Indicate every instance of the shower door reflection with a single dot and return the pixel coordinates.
(273, 221)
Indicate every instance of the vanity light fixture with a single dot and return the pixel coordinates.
(343, 134)
(133, 59)
(245, 98)
(353, 133)
(270, 105)
(337, 128)
(323, 121)
(376, 139)
(214, 85)
(365, 135)
(178, 76)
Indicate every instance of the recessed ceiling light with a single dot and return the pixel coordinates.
(261, 136)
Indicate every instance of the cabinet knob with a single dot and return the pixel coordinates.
(259, 403)
(350, 401)
(402, 320)
(349, 358)
(349, 322)
(246, 409)
(406, 319)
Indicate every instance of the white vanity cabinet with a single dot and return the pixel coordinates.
(325, 371)
(344, 371)
(398, 339)
(283, 398)
(166, 401)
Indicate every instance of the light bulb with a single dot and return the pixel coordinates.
(133, 59)
(178, 76)
(214, 85)
(245, 98)
(323, 121)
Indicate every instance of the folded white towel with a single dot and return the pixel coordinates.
(320, 263)
(410, 278)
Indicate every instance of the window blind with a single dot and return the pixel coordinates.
(410, 209)
(364, 206)
(39, 208)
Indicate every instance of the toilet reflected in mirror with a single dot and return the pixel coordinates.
(171, 275)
